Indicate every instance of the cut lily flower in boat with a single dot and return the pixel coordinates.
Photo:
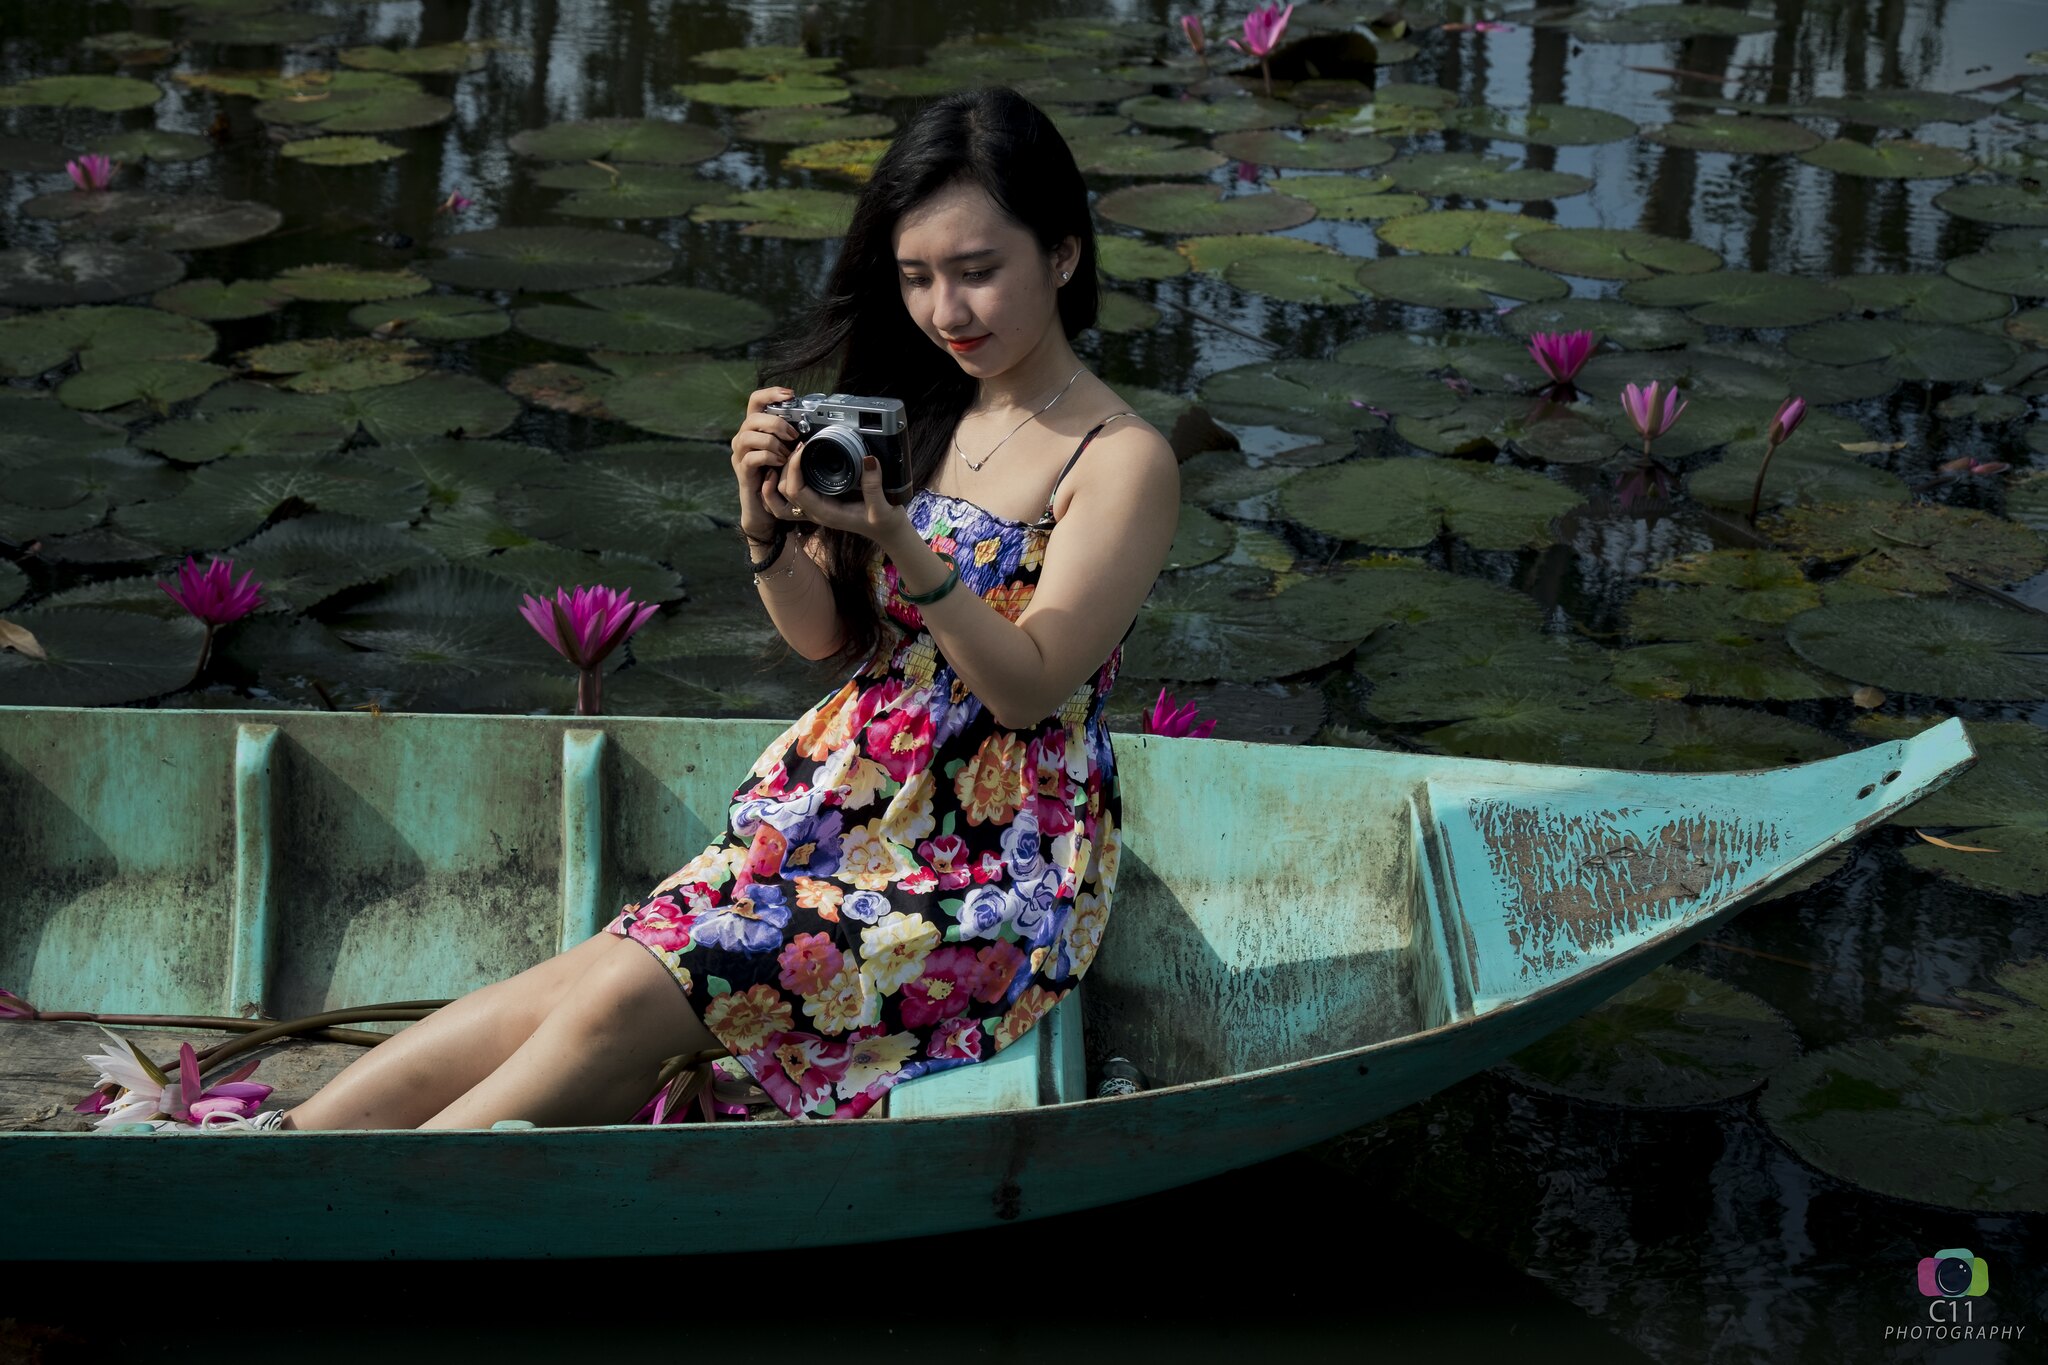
(145, 1093)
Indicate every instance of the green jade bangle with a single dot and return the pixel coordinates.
(925, 599)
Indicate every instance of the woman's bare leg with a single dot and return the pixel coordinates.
(404, 1082)
(596, 1056)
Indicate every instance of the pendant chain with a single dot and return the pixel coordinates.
(1014, 430)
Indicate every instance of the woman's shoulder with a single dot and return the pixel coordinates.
(1139, 450)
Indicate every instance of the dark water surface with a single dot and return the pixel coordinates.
(1493, 1218)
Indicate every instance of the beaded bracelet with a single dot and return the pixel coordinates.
(925, 599)
(774, 551)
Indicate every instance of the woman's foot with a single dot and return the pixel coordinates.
(267, 1122)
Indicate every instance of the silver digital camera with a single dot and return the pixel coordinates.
(839, 430)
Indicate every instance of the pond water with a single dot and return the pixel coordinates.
(400, 427)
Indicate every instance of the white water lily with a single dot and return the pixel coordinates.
(141, 1096)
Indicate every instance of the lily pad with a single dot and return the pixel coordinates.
(1927, 298)
(1383, 117)
(1199, 539)
(99, 658)
(227, 501)
(775, 92)
(1182, 209)
(264, 30)
(104, 478)
(1312, 151)
(648, 318)
(102, 94)
(1470, 175)
(1451, 651)
(1900, 159)
(1142, 154)
(1124, 313)
(1903, 548)
(446, 620)
(541, 569)
(656, 142)
(1742, 298)
(35, 427)
(1353, 199)
(1219, 622)
(1406, 503)
(337, 365)
(1944, 1117)
(356, 102)
(804, 215)
(1768, 584)
(203, 437)
(1354, 601)
(213, 301)
(1245, 113)
(651, 504)
(1478, 232)
(630, 192)
(1941, 647)
(1542, 125)
(13, 584)
(306, 560)
(169, 222)
(1487, 362)
(2007, 204)
(1673, 1038)
(433, 317)
(1909, 350)
(1902, 108)
(86, 272)
(853, 158)
(434, 59)
(1656, 23)
(2020, 272)
(1695, 373)
(1318, 397)
(98, 337)
(1753, 667)
(765, 59)
(150, 144)
(1627, 326)
(1704, 738)
(1614, 254)
(465, 473)
(1316, 276)
(330, 283)
(2001, 803)
(547, 259)
(1800, 475)
(436, 404)
(1527, 717)
(1458, 282)
(801, 124)
(1738, 134)
(1127, 258)
(159, 383)
(340, 151)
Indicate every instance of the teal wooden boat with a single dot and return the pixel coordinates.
(1283, 976)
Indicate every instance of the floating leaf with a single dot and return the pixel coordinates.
(1180, 209)
(1520, 717)
(1913, 549)
(102, 478)
(1311, 151)
(1614, 254)
(648, 318)
(1320, 276)
(213, 301)
(797, 87)
(1318, 397)
(1404, 503)
(1487, 362)
(2016, 205)
(306, 560)
(102, 94)
(99, 658)
(1637, 329)
(264, 30)
(1357, 600)
(150, 144)
(1655, 23)
(168, 222)
(657, 142)
(541, 569)
(1218, 622)
(1925, 298)
(13, 584)
(354, 102)
(2002, 801)
(1747, 667)
(1734, 133)
(337, 365)
(1245, 113)
(853, 158)
(87, 272)
(653, 504)
(766, 59)
(1457, 281)
(631, 191)
(1696, 373)
(1383, 117)
(1710, 739)
(433, 317)
(1479, 232)
(1127, 258)
(159, 383)
(800, 124)
(465, 473)
(36, 427)
(212, 436)
(453, 619)
(1902, 108)
(340, 151)
(1800, 475)
(1199, 539)
(98, 336)
(435, 58)
(692, 399)
(1941, 647)
(1895, 160)
(1742, 298)
(2013, 271)
(1544, 125)
(436, 404)
(547, 259)
(799, 214)
(1909, 350)
(347, 284)
(1452, 650)
(1351, 199)
(225, 502)
(1123, 313)
(1469, 175)
(1142, 154)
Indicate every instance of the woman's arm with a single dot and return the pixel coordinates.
(1099, 564)
(799, 598)
(793, 586)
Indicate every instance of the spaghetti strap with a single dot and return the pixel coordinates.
(1046, 519)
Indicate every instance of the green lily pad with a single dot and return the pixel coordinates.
(451, 619)
(1671, 1039)
(13, 585)
(1899, 159)
(647, 141)
(226, 501)
(85, 272)
(853, 158)
(1318, 397)
(264, 30)
(1742, 298)
(1695, 373)
(1542, 125)
(1559, 433)
(766, 59)
(1704, 738)
(98, 337)
(1753, 667)
(1219, 622)
(1199, 539)
(1406, 503)
(801, 124)
(1627, 326)
(1926, 298)
(1450, 650)
(1355, 601)
(340, 151)
(169, 222)
(338, 365)
(1353, 199)
(547, 259)
(1317, 276)
(1487, 362)
(1458, 282)
(2020, 272)
(1382, 117)
(1614, 254)
(1312, 151)
(1902, 108)
(631, 191)
(355, 102)
(1222, 481)
(99, 658)
(1127, 258)
(775, 92)
(2029, 328)
(159, 383)
(150, 144)
(1182, 209)
(213, 301)
(105, 478)
(1123, 313)
(433, 317)
(1943, 1117)
(1142, 154)
(692, 399)
(331, 283)
(2001, 803)
(130, 48)
(1738, 134)
(471, 530)
(2006, 204)
(434, 59)
(541, 569)
(1942, 647)
(1989, 409)
(101, 94)
(465, 473)
(1243, 114)
(648, 318)
(1903, 548)
(804, 215)
(35, 427)
(1470, 175)
(203, 437)
(434, 405)
(306, 560)
(651, 504)
(1479, 232)
(1799, 476)
(1909, 350)
(575, 389)
(1655, 23)
(1519, 717)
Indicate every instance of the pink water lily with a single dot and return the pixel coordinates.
(91, 172)
(1175, 721)
(1263, 28)
(1784, 422)
(142, 1092)
(1641, 406)
(1561, 355)
(13, 1006)
(585, 626)
(215, 596)
(456, 202)
(1191, 24)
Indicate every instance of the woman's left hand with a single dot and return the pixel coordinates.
(873, 515)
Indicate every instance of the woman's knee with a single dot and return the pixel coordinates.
(627, 996)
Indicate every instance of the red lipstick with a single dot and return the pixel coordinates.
(961, 347)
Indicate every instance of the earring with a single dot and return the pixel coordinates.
(1065, 275)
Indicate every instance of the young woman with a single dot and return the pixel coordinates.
(922, 865)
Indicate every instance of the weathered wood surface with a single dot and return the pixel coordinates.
(43, 1071)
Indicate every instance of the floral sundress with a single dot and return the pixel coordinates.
(903, 886)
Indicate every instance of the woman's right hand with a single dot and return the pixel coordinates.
(760, 448)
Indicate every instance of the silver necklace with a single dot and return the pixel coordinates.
(1013, 430)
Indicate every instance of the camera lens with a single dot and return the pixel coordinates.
(832, 462)
(1952, 1275)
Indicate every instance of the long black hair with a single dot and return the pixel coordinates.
(994, 138)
